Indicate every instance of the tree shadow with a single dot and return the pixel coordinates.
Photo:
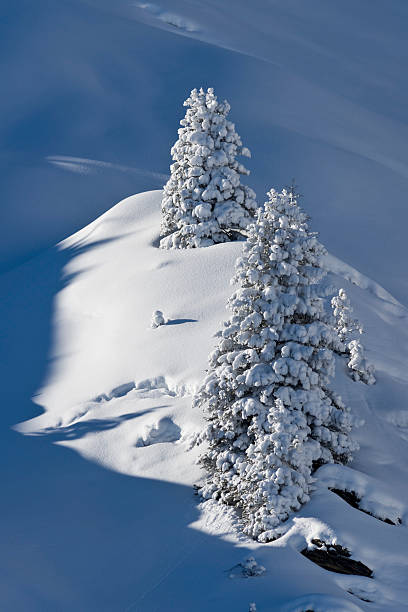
(82, 428)
(156, 241)
(180, 321)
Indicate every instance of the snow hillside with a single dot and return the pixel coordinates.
(98, 511)
(318, 91)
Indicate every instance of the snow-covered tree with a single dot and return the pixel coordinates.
(203, 201)
(272, 415)
(360, 369)
(250, 567)
(347, 327)
(348, 330)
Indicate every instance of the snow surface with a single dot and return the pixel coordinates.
(98, 510)
(318, 91)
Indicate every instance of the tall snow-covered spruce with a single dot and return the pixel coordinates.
(203, 201)
(272, 416)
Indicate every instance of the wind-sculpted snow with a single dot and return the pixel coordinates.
(164, 430)
(98, 509)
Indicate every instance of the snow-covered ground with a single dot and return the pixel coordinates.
(97, 431)
(93, 92)
(98, 508)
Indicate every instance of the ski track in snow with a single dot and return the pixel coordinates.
(169, 18)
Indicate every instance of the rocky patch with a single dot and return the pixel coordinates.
(335, 558)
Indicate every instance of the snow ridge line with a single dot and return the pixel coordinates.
(339, 267)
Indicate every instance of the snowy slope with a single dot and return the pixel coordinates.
(98, 510)
(94, 91)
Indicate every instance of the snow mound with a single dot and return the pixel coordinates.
(106, 471)
(164, 430)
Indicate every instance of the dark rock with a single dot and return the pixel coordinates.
(354, 500)
(349, 496)
(335, 558)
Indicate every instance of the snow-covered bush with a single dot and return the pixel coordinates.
(157, 319)
(250, 568)
(348, 330)
(203, 201)
(272, 416)
(360, 369)
(347, 327)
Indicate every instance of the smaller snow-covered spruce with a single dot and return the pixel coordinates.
(203, 201)
(360, 369)
(158, 319)
(349, 330)
(347, 327)
(250, 568)
(272, 416)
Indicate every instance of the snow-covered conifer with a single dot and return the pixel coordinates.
(272, 415)
(347, 327)
(250, 567)
(203, 201)
(348, 330)
(360, 369)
